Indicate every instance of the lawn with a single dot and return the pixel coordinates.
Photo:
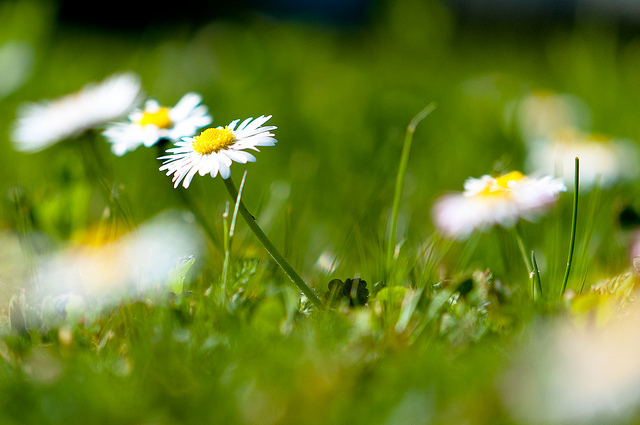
(359, 279)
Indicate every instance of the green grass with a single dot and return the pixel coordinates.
(445, 321)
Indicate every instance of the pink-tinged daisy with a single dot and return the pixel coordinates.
(487, 201)
(40, 125)
(214, 150)
(154, 122)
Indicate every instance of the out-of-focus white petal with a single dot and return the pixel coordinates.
(567, 374)
(126, 266)
(604, 160)
(541, 114)
(40, 125)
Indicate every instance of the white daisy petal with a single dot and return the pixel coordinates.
(151, 105)
(262, 141)
(240, 156)
(215, 167)
(186, 105)
(192, 172)
(232, 125)
(205, 167)
(257, 123)
(159, 122)
(224, 170)
(244, 124)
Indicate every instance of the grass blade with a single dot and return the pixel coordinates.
(402, 172)
(574, 220)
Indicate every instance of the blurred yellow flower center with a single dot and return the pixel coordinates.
(213, 140)
(514, 176)
(159, 118)
(502, 184)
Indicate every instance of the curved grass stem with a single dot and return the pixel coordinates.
(537, 283)
(268, 245)
(525, 256)
(574, 219)
(402, 172)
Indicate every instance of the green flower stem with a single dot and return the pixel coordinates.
(402, 172)
(525, 257)
(271, 249)
(574, 220)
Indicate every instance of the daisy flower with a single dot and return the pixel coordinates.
(601, 157)
(487, 201)
(129, 264)
(214, 150)
(542, 113)
(40, 125)
(154, 122)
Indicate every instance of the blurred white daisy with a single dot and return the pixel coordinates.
(131, 264)
(154, 122)
(542, 113)
(487, 201)
(567, 373)
(601, 157)
(214, 150)
(40, 125)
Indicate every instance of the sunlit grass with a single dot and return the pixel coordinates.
(320, 290)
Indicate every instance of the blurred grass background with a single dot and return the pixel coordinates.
(341, 89)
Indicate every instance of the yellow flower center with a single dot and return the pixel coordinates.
(160, 118)
(213, 140)
(514, 176)
(502, 184)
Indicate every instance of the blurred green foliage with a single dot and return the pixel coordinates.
(341, 98)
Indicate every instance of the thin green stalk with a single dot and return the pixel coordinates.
(574, 220)
(402, 172)
(437, 248)
(523, 251)
(271, 249)
(537, 294)
(525, 257)
(101, 176)
(468, 250)
(232, 229)
(584, 280)
(227, 248)
(229, 231)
